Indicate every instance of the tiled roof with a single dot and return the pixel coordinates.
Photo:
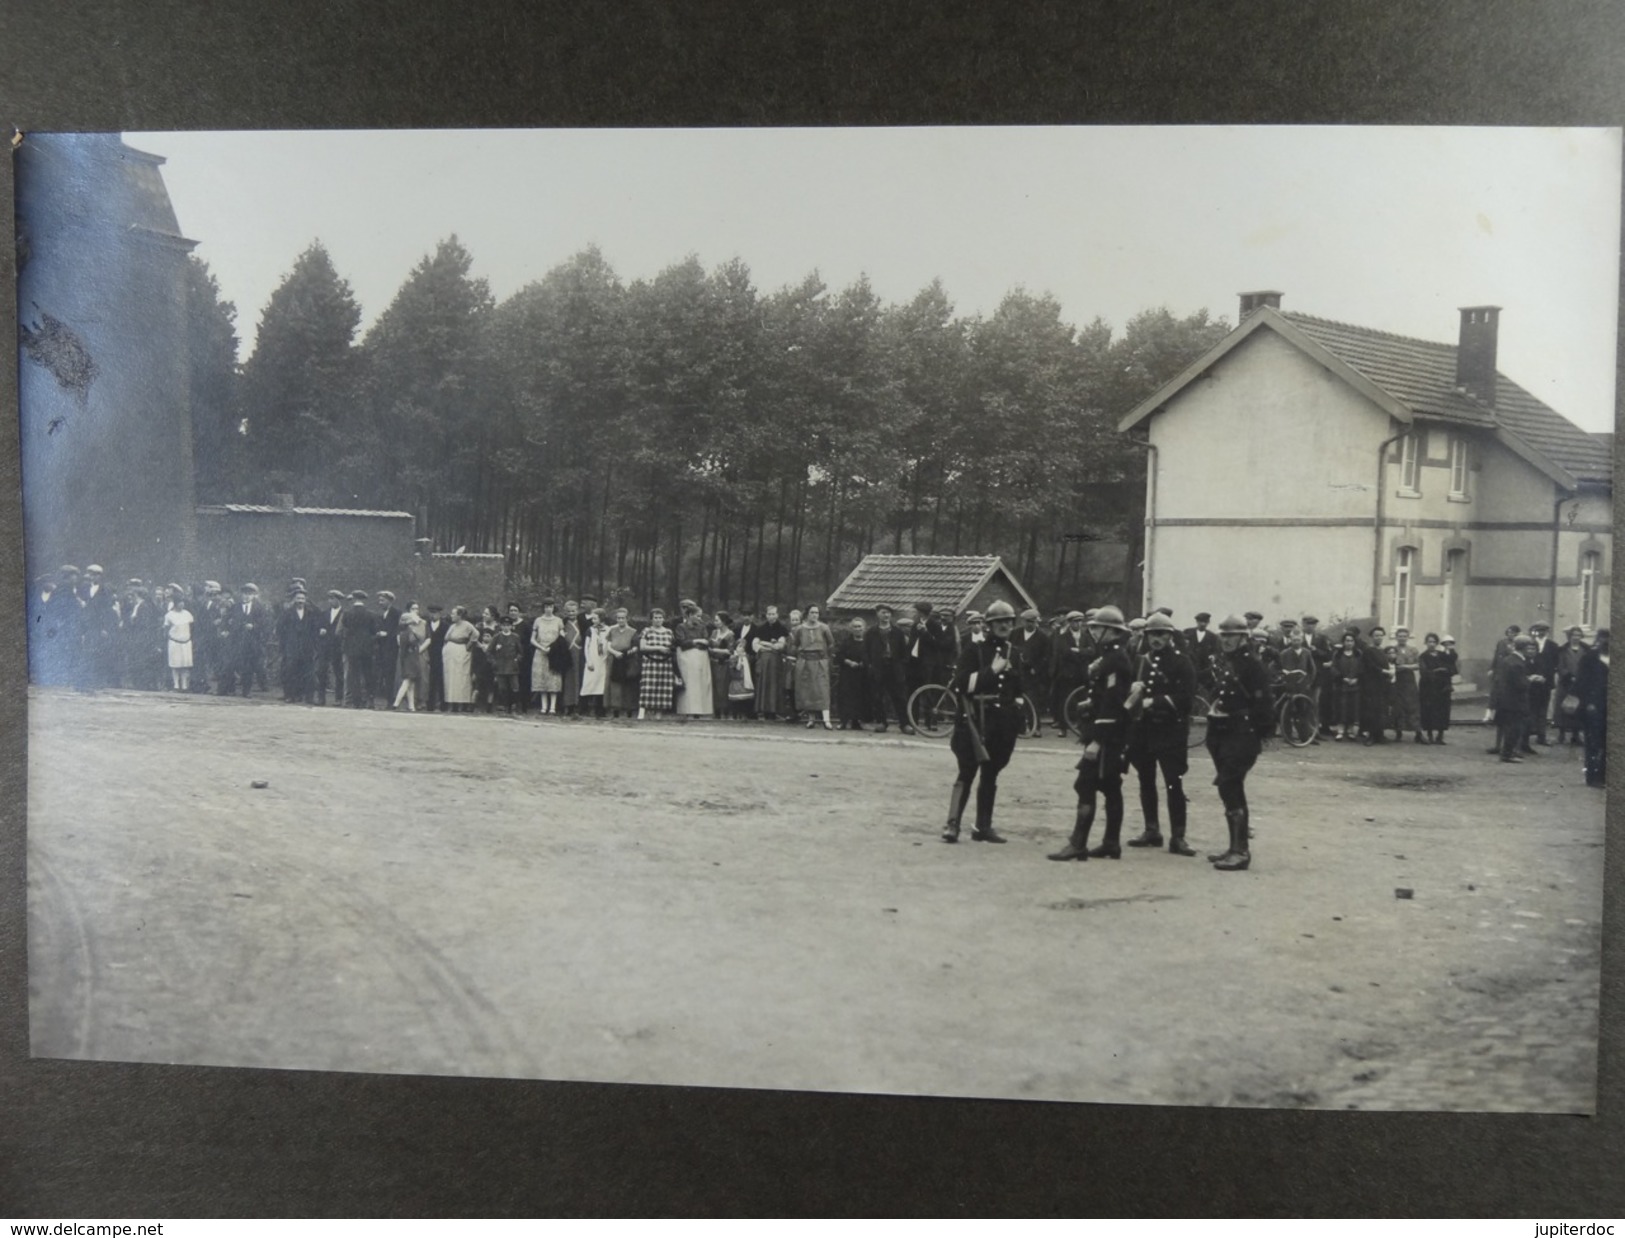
(266, 509)
(902, 580)
(1422, 375)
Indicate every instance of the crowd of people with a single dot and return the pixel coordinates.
(577, 660)
(1128, 688)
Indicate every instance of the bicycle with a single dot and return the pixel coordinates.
(1197, 736)
(1296, 717)
(931, 710)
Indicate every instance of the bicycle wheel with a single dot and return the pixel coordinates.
(1027, 713)
(1299, 725)
(1198, 731)
(931, 710)
(1077, 702)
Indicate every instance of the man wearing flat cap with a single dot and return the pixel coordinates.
(55, 627)
(1543, 658)
(99, 620)
(1202, 646)
(141, 639)
(1070, 654)
(329, 648)
(1031, 647)
(296, 638)
(247, 625)
(358, 635)
(885, 657)
(387, 648)
(1512, 697)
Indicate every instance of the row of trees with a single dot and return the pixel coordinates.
(687, 433)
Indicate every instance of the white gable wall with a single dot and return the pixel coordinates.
(1265, 488)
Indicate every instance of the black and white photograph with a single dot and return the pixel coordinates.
(1071, 614)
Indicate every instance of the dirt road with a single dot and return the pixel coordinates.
(760, 906)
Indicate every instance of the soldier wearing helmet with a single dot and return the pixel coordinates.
(1159, 731)
(1104, 733)
(987, 686)
(1241, 715)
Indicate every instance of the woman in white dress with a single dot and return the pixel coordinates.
(458, 661)
(694, 696)
(545, 682)
(178, 630)
(594, 665)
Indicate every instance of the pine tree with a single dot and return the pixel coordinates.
(299, 389)
(211, 341)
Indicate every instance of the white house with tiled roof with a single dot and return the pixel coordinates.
(1308, 466)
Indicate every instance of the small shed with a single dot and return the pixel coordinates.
(956, 582)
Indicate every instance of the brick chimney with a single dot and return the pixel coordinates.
(1251, 301)
(1475, 355)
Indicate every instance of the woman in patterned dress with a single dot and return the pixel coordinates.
(813, 644)
(1407, 704)
(657, 685)
(545, 682)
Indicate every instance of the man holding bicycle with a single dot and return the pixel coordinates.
(1159, 707)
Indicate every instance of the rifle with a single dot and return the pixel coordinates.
(978, 748)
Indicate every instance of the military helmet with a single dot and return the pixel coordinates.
(1136, 625)
(1235, 624)
(1000, 610)
(1159, 622)
(1108, 617)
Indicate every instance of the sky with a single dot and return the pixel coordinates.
(1391, 228)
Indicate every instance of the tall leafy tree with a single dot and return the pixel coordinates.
(299, 389)
(211, 346)
(429, 436)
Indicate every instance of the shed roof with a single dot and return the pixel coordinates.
(1418, 378)
(267, 509)
(902, 580)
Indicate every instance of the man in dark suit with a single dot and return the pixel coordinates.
(358, 637)
(249, 626)
(1512, 693)
(1070, 656)
(1503, 647)
(383, 666)
(437, 627)
(1320, 646)
(1031, 648)
(1591, 686)
(1542, 663)
(885, 657)
(140, 639)
(930, 648)
(57, 605)
(99, 620)
(329, 651)
(1202, 646)
(297, 639)
(521, 631)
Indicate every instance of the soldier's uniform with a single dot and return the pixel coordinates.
(1159, 733)
(987, 684)
(1105, 731)
(1241, 715)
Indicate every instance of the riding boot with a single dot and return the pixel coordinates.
(1230, 846)
(1077, 846)
(1151, 836)
(1176, 822)
(984, 831)
(1239, 857)
(956, 808)
(1110, 848)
